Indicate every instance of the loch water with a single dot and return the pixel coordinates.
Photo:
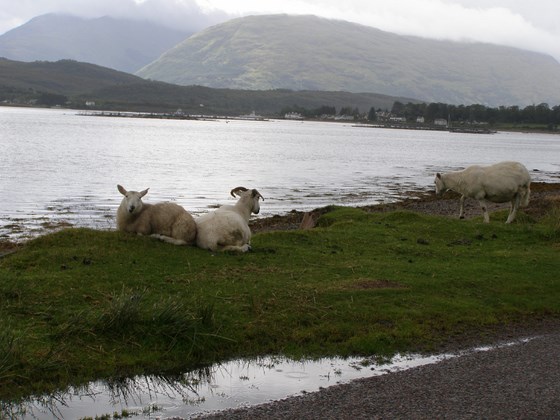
(58, 166)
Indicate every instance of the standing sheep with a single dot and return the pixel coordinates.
(498, 183)
(166, 221)
(227, 228)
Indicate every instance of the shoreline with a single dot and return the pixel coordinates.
(544, 195)
(460, 129)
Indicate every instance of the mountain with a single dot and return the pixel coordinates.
(64, 77)
(119, 44)
(21, 82)
(307, 52)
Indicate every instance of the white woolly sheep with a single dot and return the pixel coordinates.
(227, 228)
(498, 183)
(166, 221)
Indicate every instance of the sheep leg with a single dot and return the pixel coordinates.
(462, 207)
(168, 239)
(513, 210)
(236, 248)
(484, 207)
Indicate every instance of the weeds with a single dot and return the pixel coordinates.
(128, 314)
(360, 283)
(552, 221)
(122, 316)
(10, 353)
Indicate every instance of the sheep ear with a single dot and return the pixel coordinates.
(121, 189)
(438, 175)
(144, 192)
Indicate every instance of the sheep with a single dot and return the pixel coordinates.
(498, 183)
(168, 222)
(227, 228)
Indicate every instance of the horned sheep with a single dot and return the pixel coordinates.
(227, 228)
(166, 221)
(498, 183)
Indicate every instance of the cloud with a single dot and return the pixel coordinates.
(178, 14)
(516, 23)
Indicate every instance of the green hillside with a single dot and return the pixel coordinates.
(110, 89)
(65, 77)
(311, 53)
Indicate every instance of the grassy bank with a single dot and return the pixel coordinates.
(82, 304)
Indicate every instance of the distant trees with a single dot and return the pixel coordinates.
(321, 112)
(372, 115)
(410, 111)
(325, 110)
(349, 112)
(533, 114)
(541, 114)
(51, 99)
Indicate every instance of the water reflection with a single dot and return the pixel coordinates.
(234, 384)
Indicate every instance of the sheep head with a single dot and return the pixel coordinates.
(245, 194)
(440, 185)
(132, 201)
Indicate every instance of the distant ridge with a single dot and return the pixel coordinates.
(120, 44)
(111, 89)
(64, 77)
(311, 53)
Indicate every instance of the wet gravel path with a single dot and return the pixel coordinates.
(521, 381)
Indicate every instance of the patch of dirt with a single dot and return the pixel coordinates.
(7, 247)
(290, 221)
(544, 196)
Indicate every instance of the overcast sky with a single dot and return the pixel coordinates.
(532, 25)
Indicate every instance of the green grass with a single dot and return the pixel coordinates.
(80, 304)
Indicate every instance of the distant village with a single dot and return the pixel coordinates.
(381, 116)
(419, 116)
(470, 118)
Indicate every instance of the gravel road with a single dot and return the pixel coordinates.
(520, 381)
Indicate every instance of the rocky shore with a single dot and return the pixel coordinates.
(544, 196)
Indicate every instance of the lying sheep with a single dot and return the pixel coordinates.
(166, 221)
(227, 228)
(499, 183)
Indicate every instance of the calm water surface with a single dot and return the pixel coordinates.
(231, 385)
(59, 166)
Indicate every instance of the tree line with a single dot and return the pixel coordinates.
(541, 114)
(532, 114)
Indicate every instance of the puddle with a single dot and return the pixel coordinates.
(234, 384)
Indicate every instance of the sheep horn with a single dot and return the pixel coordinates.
(257, 194)
(236, 190)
